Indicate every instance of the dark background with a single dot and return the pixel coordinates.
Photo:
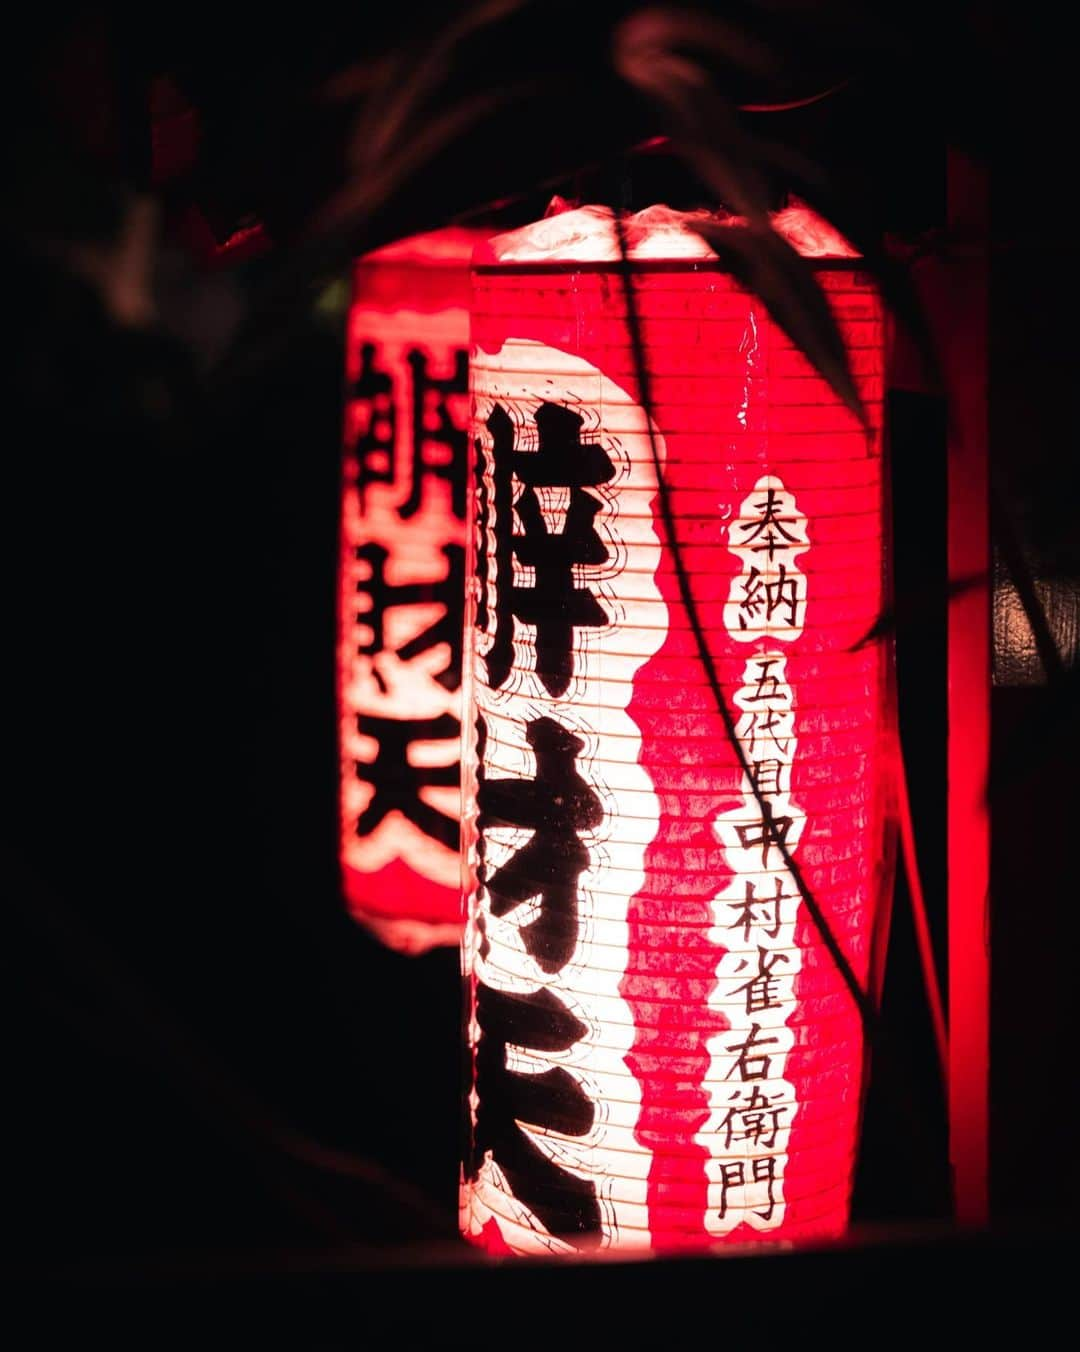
(206, 1056)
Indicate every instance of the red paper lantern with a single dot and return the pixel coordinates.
(663, 1051)
(402, 588)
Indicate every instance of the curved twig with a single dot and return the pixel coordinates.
(862, 1001)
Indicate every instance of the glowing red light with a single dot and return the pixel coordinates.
(402, 588)
(664, 1054)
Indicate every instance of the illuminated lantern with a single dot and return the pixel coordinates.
(663, 1052)
(402, 588)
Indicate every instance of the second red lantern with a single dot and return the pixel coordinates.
(402, 588)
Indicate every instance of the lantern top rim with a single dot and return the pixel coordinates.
(645, 265)
(657, 235)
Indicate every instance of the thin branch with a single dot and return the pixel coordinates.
(861, 999)
(792, 104)
(923, 937)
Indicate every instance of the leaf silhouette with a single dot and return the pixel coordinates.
(911, 606)
(771, 269)
(850, 214)
(704, 126)
(668, 31)
(397, 97)
(678, 59)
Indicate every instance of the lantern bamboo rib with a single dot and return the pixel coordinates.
(863, 1002)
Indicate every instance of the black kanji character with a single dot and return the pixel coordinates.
(771, 833)
(768, 687)
(550, 601)
(375, 444)
(745, 911)
(750, 1064)
(770, 596)
(765, 776)
(769, 527)
(397, 783)
(733, 1174)
(552, 1100)
(767, 724)
(555, 806)
(447, 591)
(761, 989)
(438, 443)
(759, 1120)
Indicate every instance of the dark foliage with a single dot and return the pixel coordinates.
(169, 505)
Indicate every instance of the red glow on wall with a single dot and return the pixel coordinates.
(664, 1053)
(402, 588)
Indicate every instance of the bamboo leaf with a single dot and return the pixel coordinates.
(849, 213)
(770, 268)
(704, 126)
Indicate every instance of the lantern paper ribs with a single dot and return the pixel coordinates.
(664, 1052)
(402, 588)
